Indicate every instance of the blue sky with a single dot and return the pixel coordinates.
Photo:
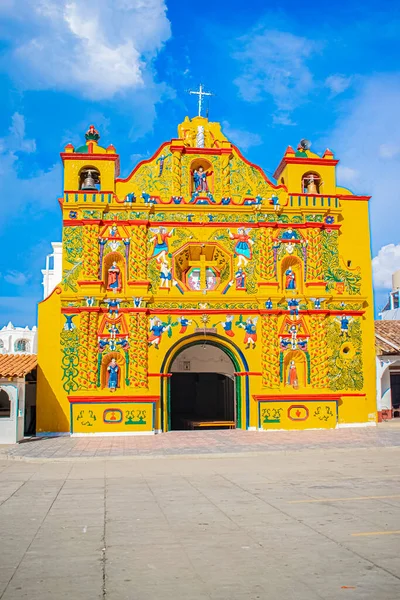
(280, 72)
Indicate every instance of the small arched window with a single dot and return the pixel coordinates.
(89, 179)
(311, 183)
(21, 346)
(5, 405)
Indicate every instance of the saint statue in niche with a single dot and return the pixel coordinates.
(200, 180)
(290, 281)
(113, 371)
(292, 378)
(114, 278)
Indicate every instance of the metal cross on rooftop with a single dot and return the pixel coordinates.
(200, 93)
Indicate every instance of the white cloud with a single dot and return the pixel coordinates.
(242, 138)
(384, 264)
(36, 193)
(337, 83)
(389, 150)
(95, 47)
(363, 138)
(16, 278)
(275, 63)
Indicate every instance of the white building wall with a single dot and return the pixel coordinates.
(52, 274)
(11, 339)
(12, 427)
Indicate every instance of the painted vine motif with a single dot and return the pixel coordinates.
(345, 360)
(70, 360)
(73, 251)
(333, 272)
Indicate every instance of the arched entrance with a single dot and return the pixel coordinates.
(202, 388)
(204, 380)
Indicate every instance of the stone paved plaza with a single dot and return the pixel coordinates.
(302, 516)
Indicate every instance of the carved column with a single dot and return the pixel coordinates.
(92, 350)
(176, 173)
(138, 347)
(83, 350)
(267, 267)
(138, 253)
(318, 350)
(314, 255)
(226, 175)
(90, 252)
(270, 351)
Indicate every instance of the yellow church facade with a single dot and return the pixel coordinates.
(198, 293)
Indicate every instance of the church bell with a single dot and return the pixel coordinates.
(89, 183)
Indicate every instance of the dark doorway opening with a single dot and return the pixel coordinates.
(395, 393)
(206, 398)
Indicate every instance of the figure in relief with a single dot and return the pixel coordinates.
(113, 371)
(292, 378)
(114, 282)
(160, 240)
(200, 179)
(165, 275)
(242, 246)
(290, 279)
(250, 332)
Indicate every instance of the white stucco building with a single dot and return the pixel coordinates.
(387, 343)
(18, 340)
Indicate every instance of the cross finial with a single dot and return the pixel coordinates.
(200, 93)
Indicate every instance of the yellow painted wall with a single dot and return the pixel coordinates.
(155, 227)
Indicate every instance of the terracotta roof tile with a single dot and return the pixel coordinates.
(17, 365)
(387, 337)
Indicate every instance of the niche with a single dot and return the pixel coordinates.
(104, 374)
(295, 369)
(202, 176)
(113, 272)
(311, 183)
(291, 274)
(89, 179)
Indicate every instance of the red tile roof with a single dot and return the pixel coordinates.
(387, 337)
(17, 365)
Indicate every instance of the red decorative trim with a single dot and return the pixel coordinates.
(87, 155)
(110, 399)
(91, 282)
(142, 162)
(138, 283)
(352, 197)
(208, 224)
(89, 192)
(295, 397)
(318, 283)
(201, 311)
(267, 283)
(242, 373)
(296, 160)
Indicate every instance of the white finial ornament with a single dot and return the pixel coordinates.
(200, 93)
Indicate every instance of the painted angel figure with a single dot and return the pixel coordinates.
(243, 245)
(157, 328)
(200, 179)
(344, 321)
(160, 241)
(317, 302)
(165, 275)
(184, 323)
(113, 306)
(250, 332)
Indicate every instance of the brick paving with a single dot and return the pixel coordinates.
(204, 443)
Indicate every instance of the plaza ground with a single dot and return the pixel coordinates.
(218, 515)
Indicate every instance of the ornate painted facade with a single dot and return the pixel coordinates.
(197, 246)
